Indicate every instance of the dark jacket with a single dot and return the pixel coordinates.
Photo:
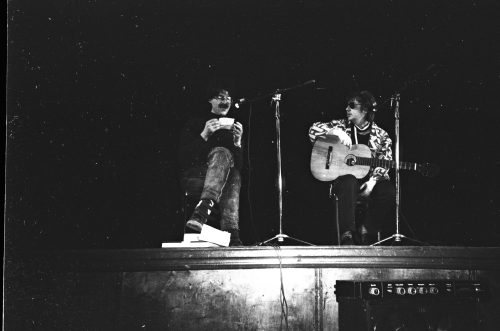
(193, 149)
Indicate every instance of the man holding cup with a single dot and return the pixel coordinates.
(210, 158)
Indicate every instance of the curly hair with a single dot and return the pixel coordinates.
(215, 91)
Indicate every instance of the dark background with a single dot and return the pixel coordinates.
(98, 91)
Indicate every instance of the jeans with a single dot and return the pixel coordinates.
(381, 204)
(219, 181)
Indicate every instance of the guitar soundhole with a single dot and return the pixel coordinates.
(350, 160)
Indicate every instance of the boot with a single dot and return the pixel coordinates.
(200, 214)
(350, 238)
(347, 238)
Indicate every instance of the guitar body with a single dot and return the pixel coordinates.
(331, 159)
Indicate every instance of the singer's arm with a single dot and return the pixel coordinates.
(321, 129)
(384, 152)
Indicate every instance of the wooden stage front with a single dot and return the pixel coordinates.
(222, 288)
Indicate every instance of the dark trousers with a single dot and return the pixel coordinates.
(381, 204)
(218, 181)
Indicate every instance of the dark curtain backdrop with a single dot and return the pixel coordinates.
(97, 92)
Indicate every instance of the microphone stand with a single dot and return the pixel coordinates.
(398, 237)
(276, 98)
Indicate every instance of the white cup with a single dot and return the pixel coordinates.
(226, 122)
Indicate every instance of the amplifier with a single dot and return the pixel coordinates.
(374, 290)
(410, 305)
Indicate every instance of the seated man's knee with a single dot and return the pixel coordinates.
(220, 155)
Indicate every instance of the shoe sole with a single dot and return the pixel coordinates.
(194, 225)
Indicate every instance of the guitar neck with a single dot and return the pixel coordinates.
(385, 163)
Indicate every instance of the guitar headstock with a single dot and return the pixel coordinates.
(428, 169)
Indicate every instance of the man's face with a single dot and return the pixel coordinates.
(354, 112)
(221, 103)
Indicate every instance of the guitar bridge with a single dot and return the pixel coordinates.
(328, 157)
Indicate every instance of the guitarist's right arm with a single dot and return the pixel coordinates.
(335, 128)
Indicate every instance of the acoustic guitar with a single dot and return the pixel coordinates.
(331, 159)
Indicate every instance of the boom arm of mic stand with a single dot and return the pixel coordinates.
(279, 91)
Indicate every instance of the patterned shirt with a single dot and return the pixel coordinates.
(379, 142)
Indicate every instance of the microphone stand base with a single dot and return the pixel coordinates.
(280, 238)
(398, 238)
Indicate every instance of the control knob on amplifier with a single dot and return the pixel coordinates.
(433, 290)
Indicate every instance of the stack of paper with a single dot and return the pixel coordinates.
(209, 237)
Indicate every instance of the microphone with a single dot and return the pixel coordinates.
(239, 102)
(312, 81)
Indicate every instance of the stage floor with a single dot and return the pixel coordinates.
(247, 257)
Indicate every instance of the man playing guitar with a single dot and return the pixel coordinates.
(359, 128)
